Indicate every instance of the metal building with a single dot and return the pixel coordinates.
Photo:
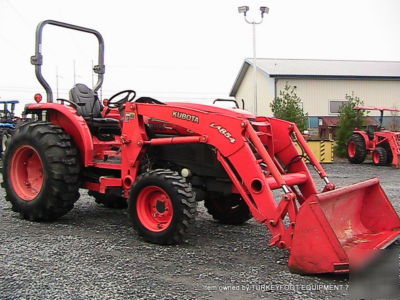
(321, 84)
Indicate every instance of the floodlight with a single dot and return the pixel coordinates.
(243, 10)
(264, 10)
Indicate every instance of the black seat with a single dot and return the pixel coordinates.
(89, 107)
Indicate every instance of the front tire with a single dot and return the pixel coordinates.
(356, 149)
(380, 156)
(389, 153)
(162, 206)
(41, 172)
(230, 210)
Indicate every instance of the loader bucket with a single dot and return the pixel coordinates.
(343, 229)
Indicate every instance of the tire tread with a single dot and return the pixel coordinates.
(63, 171)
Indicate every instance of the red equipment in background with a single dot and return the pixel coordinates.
(165, 157)
(383, 145)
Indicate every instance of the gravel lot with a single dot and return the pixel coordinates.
(92, 253)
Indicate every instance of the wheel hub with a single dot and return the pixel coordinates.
(160, 206)
(154, 208)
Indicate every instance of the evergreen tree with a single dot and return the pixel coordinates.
(349, 119)
(288, 106)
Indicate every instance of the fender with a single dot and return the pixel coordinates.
(368, 143)
(72, 123)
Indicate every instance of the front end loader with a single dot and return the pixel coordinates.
(164, 157)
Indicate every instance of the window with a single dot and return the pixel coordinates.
(335, 105)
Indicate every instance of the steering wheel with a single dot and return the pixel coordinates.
(114, 102)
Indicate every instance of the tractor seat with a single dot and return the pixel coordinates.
(89, 107)
(371, 131)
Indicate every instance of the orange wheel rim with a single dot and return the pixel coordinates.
(154, 208)
(26, 173)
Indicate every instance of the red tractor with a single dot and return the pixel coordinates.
(164, 157)
(383, 145)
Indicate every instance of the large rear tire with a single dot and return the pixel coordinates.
(356, 149)
(109, 200)
(162, 206)
(230, 210)
(41, 172)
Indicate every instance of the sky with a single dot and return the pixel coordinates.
(180, 50)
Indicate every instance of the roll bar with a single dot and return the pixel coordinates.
(226, 100)
(37, 59)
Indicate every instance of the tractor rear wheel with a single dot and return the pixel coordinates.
(109, 200)
(356, 149)
(380, 156)
(41, 172)
(162, 206)
(231, 209)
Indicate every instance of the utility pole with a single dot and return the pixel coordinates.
(264, 10)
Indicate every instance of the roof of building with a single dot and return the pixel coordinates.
(319, 68)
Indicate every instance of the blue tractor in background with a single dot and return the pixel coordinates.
(8, 122)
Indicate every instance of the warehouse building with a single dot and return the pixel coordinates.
(321, 84)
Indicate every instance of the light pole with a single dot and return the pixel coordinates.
(264, 10)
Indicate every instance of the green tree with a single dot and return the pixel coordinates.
(288, 106)
(349, 119)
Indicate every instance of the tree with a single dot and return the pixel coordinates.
(288, 106)
(349, 119)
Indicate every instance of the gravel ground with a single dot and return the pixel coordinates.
(92, 253)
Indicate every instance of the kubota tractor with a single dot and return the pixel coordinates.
(383, 145)
(163, 157)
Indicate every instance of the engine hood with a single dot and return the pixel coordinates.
(238, 113)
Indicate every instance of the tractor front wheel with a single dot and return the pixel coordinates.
(380, 156)
(41, 172)
(231, 209)
(356, 149)
(162, 206)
